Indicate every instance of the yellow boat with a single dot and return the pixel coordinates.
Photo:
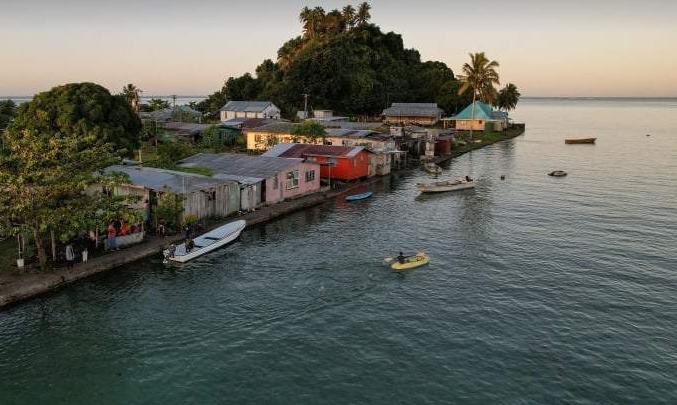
(411, 262)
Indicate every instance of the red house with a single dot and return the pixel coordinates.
(338, 162)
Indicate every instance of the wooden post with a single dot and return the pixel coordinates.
(51, 235)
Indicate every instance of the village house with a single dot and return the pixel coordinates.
(478, 117)
(338, 162)
(266, 136)
(202, 196)
(185, 130)
(249, 109)
(385, 153)
(412, 114)
(263, 180)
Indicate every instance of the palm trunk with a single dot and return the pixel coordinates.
(472, 115)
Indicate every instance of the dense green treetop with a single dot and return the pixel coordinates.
(7, 112)
(85, 110)
(346, 64)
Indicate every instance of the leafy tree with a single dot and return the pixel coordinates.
(507, 98)
(53, 151)
(132, 94)
(158, 104)
(7, 113)
(363, 14)
(81, 110)
(349, 15)
(169, 209)
(479, 75)
(309, 129)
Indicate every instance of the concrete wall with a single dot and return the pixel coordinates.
(478, 125)
(257, 140)
(403, 120)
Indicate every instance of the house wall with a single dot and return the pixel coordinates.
(477, 125)
(280, 188)
(258, 140)
(345, 168)
(250, 196)
(403, 120)
(215, 202)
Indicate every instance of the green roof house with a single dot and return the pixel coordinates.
(476, 116)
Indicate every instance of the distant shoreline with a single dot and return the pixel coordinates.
(563, 98)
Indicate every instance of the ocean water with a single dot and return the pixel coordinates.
(540, 290)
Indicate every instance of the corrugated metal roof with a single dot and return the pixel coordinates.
(246, 106)
(483, 111)
(300, 150)
(248, 123)
(413, 110)
(160, 179)
(275, 127)
(240, 165)
(186, 127)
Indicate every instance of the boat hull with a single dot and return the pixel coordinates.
(225, 239)
(580, 141)
(358, 197)
(411, 263)
(442, 187)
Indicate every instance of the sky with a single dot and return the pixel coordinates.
(547, 48)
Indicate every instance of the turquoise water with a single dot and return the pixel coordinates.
(540, 290)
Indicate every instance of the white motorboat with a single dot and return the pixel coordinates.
(206, 243)
(445, 186)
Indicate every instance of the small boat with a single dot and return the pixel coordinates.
(445, 186)
(357, 197)
(410, 262)
(557, 173)
(432, 168)
(579, 141)
(206, 243)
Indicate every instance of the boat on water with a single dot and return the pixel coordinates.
(410, 262)
(432, 168)
(579, 141)
(206, 243)
(557, 173)
(358, 197)
(446, 186)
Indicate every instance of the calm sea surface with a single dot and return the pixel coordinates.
(540, 290)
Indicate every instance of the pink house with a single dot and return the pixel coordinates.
(263, 180)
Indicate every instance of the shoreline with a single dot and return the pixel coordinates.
(18, 287)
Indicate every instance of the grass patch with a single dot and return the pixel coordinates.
(195, 170)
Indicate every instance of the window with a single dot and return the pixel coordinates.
(292, 179)
(258, 138)
(310, 176)
(275, 182)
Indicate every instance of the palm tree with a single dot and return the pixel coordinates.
(349, 15)
(132, 95)
(508, 97)
(363, 14)
(305, 16)
(480, 75)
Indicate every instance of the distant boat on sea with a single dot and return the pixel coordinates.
(579, 140)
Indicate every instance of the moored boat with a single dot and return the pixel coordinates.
(206, 243)
(579, 141)
(445, 186)
(432, 168)
(557, 173)
(361, 196)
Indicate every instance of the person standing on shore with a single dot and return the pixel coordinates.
(112, 233)
(70, 256)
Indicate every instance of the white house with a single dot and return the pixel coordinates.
(249, 109)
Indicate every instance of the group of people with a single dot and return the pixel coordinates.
(119, 228)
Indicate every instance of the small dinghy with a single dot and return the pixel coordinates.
(579, 141)
(206, 243)
(408, 262)
(557, 173)
(445, 186)
(357, 197)
(432, 168)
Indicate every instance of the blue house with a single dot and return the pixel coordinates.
(478, 117)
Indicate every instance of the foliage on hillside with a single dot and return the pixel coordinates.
(345, 64)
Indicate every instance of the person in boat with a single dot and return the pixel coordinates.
(468, 179)
(401, 257)
(190, 245)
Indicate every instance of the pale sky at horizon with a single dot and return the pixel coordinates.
(547, 48)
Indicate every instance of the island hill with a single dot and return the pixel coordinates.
(257, 146)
